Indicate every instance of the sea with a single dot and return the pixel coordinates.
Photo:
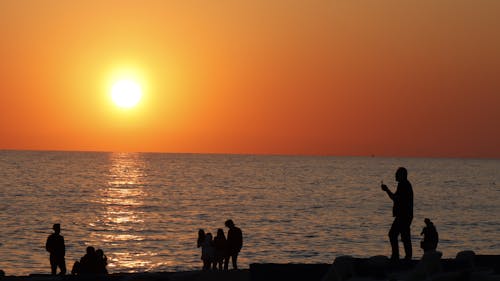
(144, 210)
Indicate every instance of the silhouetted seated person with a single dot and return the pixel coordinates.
(102, 262)
(431, 237)
(93, 262)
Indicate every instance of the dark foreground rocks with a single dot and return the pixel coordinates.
(465, 267)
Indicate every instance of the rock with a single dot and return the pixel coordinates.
(377, 266)
(289, 272)
(429, 265)
(465, 259)
(341, 269)
(379, 261)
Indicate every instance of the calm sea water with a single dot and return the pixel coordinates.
(144, 210)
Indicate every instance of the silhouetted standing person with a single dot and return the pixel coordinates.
(220, 243)
(402, 211)
(431, 237)
(234, 244)
(55, 246)
(201, 240)
(208, 252)
(201, 237)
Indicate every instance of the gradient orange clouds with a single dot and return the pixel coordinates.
(393, 78)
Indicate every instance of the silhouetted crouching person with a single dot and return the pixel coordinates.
(431, 237)
(234, 244)
(220, 244)
(402, 211)
(55, 246)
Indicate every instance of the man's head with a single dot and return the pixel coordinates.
(401, 174)
(90, 250)
(57, 228)
(229, 223)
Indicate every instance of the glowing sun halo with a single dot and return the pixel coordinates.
(126, 93)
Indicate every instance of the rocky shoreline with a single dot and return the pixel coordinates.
(466, 266)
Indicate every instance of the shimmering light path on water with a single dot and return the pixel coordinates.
(144, 210)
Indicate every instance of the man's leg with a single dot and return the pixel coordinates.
(406, 237)
(62, 265)
(53, 265)
(206, 264)
(226, 263)
(393, 238)
(234, 258)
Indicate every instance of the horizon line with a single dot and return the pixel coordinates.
(255, 154)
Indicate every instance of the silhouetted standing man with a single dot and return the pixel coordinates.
(234, 244)
(402, 211)
(55, 246)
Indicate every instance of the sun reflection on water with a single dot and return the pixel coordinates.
(123, 219)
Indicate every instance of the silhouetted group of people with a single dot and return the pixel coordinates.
(402, 211)
(218, 250)
(93, 262)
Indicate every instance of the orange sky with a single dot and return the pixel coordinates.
(392, 78)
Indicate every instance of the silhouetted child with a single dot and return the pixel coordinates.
(201, 240)
(221, 252)
(431, 237)
(201, 237)
(207, 252)
(55, 246)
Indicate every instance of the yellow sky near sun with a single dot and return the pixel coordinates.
(413, 78)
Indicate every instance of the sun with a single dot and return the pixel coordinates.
(126, 93)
